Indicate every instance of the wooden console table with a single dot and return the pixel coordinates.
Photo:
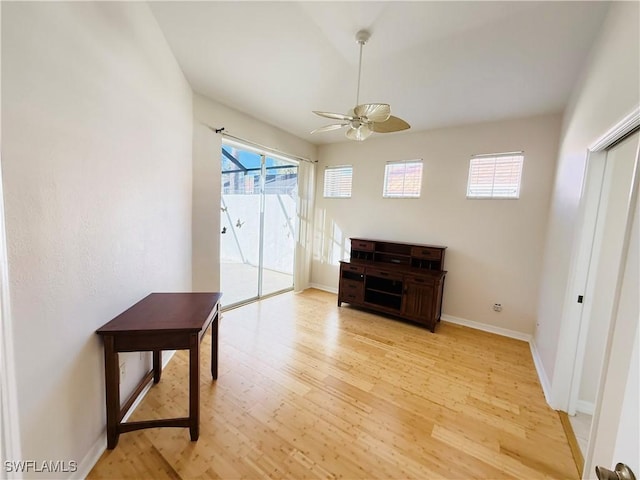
(160, 321)
(400, 279)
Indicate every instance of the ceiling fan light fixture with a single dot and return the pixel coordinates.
(359, 133)
(373, 112)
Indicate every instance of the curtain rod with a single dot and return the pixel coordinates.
(275, 151)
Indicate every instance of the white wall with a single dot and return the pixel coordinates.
(494, 246)
(207, 146)
(96, 156)
(607, 93)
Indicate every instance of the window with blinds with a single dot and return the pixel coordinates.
(495, 175)
(337, 181)
(402, 179)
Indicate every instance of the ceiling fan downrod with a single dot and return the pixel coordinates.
(362, 37)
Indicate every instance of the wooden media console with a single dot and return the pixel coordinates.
(401, 279)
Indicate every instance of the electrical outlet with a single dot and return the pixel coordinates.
(497, 307)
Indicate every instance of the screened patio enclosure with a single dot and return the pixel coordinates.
(258, 224)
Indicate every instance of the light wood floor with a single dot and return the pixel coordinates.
(310, 390)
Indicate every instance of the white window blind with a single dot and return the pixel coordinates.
(495, 176)
(402, 179)
(337, 181)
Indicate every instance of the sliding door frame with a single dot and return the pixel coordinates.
(294, 163)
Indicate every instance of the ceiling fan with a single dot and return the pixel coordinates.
(367, 118)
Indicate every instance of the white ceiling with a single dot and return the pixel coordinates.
(437, 63)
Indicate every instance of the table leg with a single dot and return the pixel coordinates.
(157, 365)
(194, 387)
(214, 346)
(112, 387)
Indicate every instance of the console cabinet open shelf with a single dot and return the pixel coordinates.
(400, 279)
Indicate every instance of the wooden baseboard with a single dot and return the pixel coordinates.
(573, 441)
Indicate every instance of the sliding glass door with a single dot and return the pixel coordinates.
(258, 216)
(278, 234)
(240, 225)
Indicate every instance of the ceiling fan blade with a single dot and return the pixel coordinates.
(327, 128)
(335, 116)
(393, 124)
(360, 133)
(374, 112)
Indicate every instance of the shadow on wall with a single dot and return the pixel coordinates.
(330, 243)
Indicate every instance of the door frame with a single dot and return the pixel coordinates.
(567, 359)
(573, 334)
(264, 153)
(594, 191)
(614, 376)
(10, 448)
(617, 356)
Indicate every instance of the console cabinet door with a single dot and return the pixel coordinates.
(351, 291)
(351, 286)
(417, 302)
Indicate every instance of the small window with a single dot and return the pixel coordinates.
(337, 181)
(495, 176)
(402, 179)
